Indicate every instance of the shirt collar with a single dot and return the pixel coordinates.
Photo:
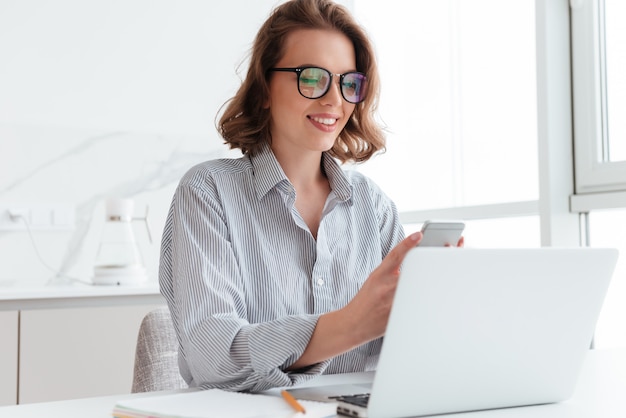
(267, 171)
(268, 174)
(339, 182)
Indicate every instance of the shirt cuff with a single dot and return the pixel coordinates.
(276, 345)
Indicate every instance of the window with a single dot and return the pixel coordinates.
(615, 39)
(599, 66)
(459, 101)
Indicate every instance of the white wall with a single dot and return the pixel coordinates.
(106, 98)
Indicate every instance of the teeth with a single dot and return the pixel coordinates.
(324, 121)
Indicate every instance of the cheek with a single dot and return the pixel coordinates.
(288, 104)
(348, 110)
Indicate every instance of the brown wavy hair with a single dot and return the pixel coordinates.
(245, 122)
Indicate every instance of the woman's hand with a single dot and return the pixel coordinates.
(365, 317)
(459, 244)
(369, 310)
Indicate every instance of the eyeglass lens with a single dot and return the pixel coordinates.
(314, 82)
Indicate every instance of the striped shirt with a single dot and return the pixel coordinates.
(246, 281)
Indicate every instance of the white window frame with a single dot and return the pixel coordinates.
(594, 173)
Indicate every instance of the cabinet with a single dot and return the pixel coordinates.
(67, 353)
(8, 357)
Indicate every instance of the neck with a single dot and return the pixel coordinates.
(303, 170)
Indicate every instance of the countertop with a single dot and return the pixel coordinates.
(16, 296)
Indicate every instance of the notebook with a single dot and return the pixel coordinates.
(216, 403)
(475, 329)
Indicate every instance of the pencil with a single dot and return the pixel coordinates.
(292, 401)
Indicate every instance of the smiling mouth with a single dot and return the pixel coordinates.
(324, 121)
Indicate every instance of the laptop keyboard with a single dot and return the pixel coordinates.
(358, 400)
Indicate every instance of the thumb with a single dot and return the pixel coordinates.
(396, 256)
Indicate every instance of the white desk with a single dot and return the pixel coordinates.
(600, 393)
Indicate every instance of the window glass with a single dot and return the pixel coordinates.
(608, 229)
(459, 101)
(615, 60)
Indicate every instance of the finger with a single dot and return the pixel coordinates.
(461, 242)
(411, 241)
(396, 255)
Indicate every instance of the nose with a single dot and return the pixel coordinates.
(333, 95)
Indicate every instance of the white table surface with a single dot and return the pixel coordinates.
(600, 393)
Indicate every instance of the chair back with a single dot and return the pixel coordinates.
(156, 356)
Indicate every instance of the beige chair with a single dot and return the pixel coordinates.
(156, 357)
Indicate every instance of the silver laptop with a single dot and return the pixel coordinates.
(474, 329)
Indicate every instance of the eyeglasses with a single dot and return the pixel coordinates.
(314, 82)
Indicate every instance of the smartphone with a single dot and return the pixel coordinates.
(439, 233)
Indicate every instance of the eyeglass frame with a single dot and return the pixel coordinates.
(299, 70)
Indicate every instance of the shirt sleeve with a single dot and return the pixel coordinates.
(391, 230)
(202, 284)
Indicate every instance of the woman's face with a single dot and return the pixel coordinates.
(299, 124)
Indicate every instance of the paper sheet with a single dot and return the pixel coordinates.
(216, 403)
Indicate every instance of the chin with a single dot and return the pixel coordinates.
(326, 145)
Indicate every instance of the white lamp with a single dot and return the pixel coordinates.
(119, 261)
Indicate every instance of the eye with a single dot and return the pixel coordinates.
(350, 85)
(308, 80)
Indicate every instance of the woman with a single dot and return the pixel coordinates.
(279, 266)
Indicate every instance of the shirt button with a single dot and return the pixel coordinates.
(320, 282)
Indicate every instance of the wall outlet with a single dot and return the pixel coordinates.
(37, 217)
